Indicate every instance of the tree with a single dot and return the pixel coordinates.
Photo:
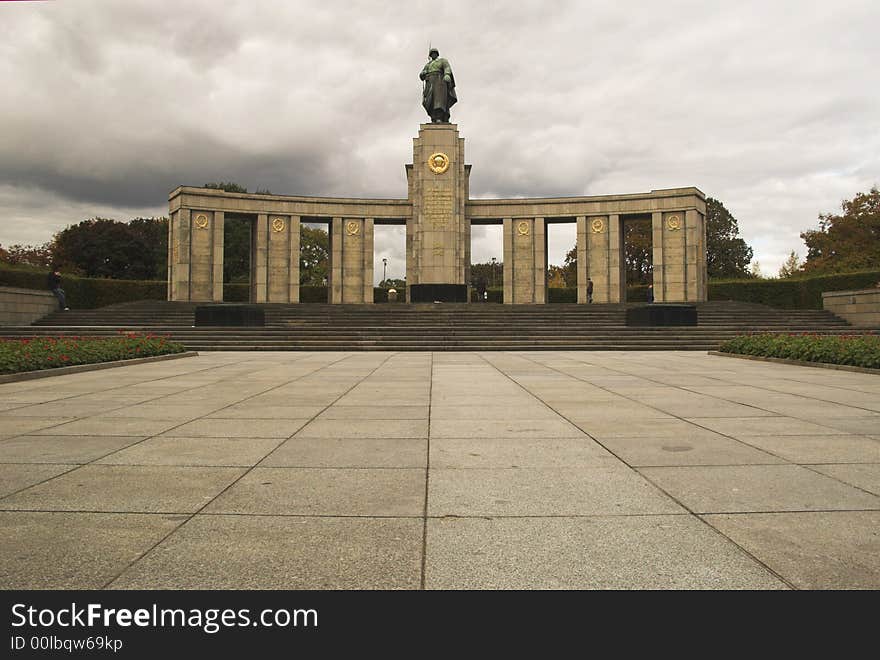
(638, 243)
(791, 267)
(154, 233)
(102, 247)
(755, 270)
(491, 273)
(236, 249)
(314, 256)
(569, 267)
(727, 254)
(846, 242)
(27, 255)
(556, 277)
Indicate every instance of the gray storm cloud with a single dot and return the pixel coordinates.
(768, 106)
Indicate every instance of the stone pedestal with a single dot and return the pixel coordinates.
(525, 260)
(438, 234)
(351, 260)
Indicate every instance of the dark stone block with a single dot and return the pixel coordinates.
(442, 292)
(230, 315)
(662, 314)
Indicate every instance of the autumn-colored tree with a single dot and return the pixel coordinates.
(791, 266)
(38, 256)
(638, 243)
(848, 241)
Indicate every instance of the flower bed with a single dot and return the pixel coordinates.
(854, 350)
(18, 355)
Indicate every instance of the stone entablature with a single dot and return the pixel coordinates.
(438, 214)
(860, 308)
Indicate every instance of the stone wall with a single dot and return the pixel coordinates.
(861, 308)
(24, 306)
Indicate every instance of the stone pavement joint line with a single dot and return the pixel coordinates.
(384, 470)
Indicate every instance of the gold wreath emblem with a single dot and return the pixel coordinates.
(597, 225)
(352, 228)
(522, 228)
(438, 163)
(673, 222)
(278, 224)
(202, 221)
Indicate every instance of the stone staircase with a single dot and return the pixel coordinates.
(435, 327)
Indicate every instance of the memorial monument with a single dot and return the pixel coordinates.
(438, 214)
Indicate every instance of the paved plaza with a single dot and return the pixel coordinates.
(538, 470)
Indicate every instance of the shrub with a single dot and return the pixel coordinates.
(855, 350)
(791, 293)
(18, 355)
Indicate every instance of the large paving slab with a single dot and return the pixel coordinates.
(326, 492)
(350, 453)
(271, 552)
(811, 550)
(628, 552)
(51, 550)
(62, 448)
(544, 492)
(125, 488)
(757, 488)
(548, 469)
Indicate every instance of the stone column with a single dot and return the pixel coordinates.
(179, 237)
(217, 275)
(695, 256)
(583, 258)
(259, 259)
(616, 261)
(293, 259)
(351, 260)
(283, 259)
(438, 236)
(604, 259)
(201, 232)
(507, 259)
(525, 261)
(679, 256)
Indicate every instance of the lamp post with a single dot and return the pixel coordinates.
(384, 268)
(493, 272)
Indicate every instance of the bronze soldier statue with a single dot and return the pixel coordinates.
(438, 95)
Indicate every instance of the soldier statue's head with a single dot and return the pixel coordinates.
(433, 53)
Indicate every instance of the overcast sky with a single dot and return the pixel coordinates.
(771, 107)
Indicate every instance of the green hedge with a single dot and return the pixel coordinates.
(83, 292)
(854, 350)
(791, 293)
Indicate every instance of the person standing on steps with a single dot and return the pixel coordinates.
(589, 290)
(55, 288)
